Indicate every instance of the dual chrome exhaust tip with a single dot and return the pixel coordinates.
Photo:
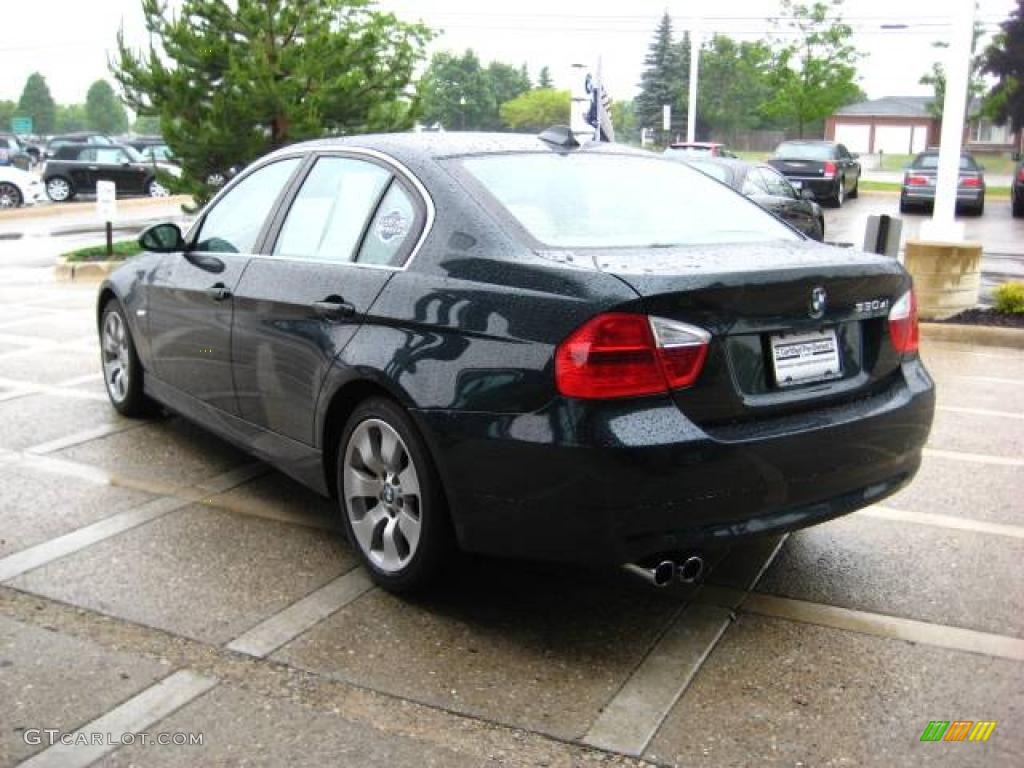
(689, 571)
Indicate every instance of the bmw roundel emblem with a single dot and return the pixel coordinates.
(819, 300)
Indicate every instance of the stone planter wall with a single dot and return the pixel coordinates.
(947, 276)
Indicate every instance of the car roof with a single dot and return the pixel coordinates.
(696, 144)
(808, 141)
(436, 145)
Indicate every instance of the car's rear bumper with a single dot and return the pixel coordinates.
(926, 195)
(620, 483)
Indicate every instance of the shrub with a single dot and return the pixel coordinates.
(1010, 297)
(122, 250)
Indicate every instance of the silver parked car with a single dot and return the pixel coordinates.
(919, 183)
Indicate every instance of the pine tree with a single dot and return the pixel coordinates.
(663, 82)
(544, 79)
(231, 83)
(104, 110)
(37, 103)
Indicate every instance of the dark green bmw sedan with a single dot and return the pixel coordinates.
(525, 347)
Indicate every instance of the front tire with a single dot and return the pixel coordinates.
(155, 189)
(59, 189)
(122, 371)
(10, 195)
(391, 499)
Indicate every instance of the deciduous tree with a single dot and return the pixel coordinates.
(231, 81)
(37, 103)
(536, 110)
(815, 70)
(734, 84)
(104, 109)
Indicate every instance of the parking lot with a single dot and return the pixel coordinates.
(155, 580)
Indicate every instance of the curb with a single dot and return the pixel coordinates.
(55, 210)
(84, 271)
(982, 335)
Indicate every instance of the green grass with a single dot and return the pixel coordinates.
(894, 186)
(754, 157)
(122, 250)
(994, 163)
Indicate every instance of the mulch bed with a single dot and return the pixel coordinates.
(987, 317)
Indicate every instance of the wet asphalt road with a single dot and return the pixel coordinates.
(154, 579)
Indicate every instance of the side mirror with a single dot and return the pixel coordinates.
(1015, 157)
(162, 238)
(806, 193)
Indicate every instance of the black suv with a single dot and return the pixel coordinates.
(75, 169)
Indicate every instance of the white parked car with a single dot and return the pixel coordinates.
(18, 187)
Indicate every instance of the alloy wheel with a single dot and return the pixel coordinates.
(58, 190)
(156, 189)
(116, 357)
(382, 495)
(10, 197)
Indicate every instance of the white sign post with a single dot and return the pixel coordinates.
(106, 207)
(106, 200)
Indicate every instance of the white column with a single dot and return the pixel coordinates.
(691, 111)
(943, 225)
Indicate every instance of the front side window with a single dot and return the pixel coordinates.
(234, 223)
(330, 212)
(582, 200)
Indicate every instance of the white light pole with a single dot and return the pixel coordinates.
(943, 225)
(691, 110)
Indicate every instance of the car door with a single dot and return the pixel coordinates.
(190, 302)
(349, 226)
(81, 168)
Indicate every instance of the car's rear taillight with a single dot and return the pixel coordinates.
(903, 331)
(830, 170)
(916, 181)
(970, 181)
(620, 354)
(1020, 174)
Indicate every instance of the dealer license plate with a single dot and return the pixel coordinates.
(801, 358)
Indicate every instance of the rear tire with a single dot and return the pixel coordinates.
(122, 371)
(979, 210)
(60, 190)
(840, 195)
(1018, 208)
(904, 206)
(391, 499)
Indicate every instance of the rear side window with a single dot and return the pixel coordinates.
(582, 200)
(330, 212)
(391, 228)
(234, 223)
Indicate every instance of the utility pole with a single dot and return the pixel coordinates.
(943, 225)
(691, 111)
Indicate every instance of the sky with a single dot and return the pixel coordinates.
(69, 41)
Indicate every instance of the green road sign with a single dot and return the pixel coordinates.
(21, 124)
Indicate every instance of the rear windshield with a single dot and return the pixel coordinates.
(618, 201)
(932, 162)
(690, 149)
(796, 151)
(714, 170)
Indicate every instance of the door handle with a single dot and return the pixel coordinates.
(218, 292)
(333, 308)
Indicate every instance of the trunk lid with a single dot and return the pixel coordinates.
(795, 167)
(749, 295)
